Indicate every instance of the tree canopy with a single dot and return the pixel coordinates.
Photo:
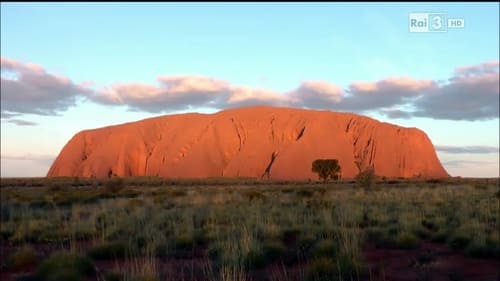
(327, 169)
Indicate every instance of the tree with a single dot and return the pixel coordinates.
(367, 178)
(327, 169)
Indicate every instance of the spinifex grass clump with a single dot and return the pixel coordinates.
(23, 257)
(65, 266)
(109, 250)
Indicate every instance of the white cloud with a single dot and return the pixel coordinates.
(470, 94)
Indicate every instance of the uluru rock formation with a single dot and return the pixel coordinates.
(249, 142)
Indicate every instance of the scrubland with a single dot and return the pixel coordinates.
(245, 229)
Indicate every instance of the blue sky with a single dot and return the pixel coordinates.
(110, 48)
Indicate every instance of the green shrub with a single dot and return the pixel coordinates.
(5, 234)
(161, 250)
(459, 241)
(304, 193)
(290, 235)
(375, 235)
(113, 276)
(24, 256)
(430, 225)
(214, 252)
(391, 238)
(325, 248)
(184, 242)
(420, 231)
(305, 242)
(483, 249)
(40, 204)
(406, 240)
(322, 269)
(439, 237)
(273, 249)
(393, 229)
(108, 250)
(31, 232)
(256, 259)
(65, 266)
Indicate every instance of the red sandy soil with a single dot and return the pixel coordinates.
(279, 143)
(440, 264)
(383, 264)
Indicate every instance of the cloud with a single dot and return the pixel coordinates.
(471, 93)
(42, 159)
(28, 88)
(20, 122)
(6, 114)
(476, 149)
(384, 94)
(466, 163)
(316, 95)
(184, 92)
(396, 113)
(172, 93)
(247, 96)
(485, 67)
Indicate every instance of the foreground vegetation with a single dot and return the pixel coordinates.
(227, 229)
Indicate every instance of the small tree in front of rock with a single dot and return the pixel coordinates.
(366, 178)
(327, 169)
(366, 172)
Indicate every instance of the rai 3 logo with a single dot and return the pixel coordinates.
(433, 22)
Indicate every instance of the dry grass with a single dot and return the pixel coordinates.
(238, 227)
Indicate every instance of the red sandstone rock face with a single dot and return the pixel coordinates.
(242, 142)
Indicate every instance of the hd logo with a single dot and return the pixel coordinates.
(433, 22)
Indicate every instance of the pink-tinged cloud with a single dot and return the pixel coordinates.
(470, 94)
(405, 84)
(15, 65)
(184, 84)
(316, 95)
(35, 91)
(384, 95)
(241, 96)
(170, 94)
(182, 92)
(485, 67)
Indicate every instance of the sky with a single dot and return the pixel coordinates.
(66, 67)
